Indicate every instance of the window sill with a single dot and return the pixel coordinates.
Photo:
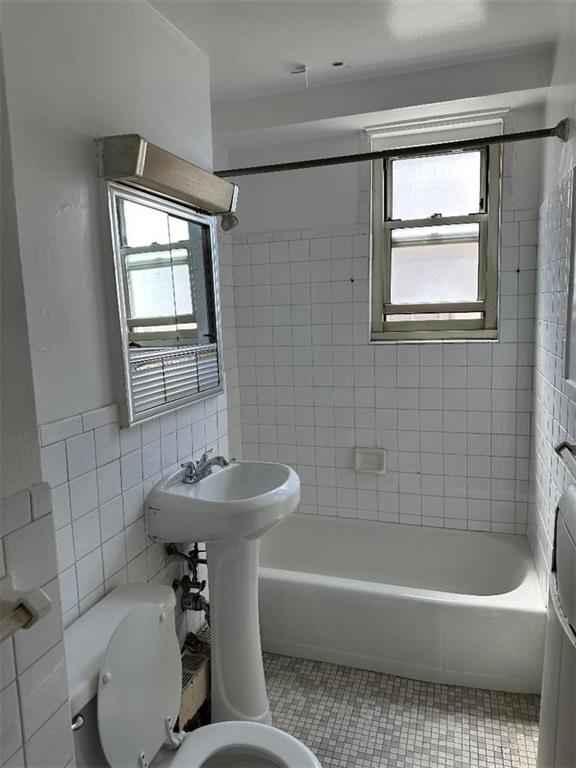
(436, 335)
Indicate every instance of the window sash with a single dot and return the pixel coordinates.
(141, 322)
(388, 170)
(441, 221)
(432, 307)
(167, 259)
(430, 325)
(488, 242)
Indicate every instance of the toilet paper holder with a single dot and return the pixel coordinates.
(567, 451)
(566, 446)
(20, 609)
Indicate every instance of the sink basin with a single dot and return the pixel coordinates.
(246, 499)
(230, 510)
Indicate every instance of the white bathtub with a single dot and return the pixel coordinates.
(454, 607)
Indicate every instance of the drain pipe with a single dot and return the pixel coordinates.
(192, 598)
(195, 601)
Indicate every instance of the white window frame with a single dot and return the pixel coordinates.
(172, 320)
(488, 219)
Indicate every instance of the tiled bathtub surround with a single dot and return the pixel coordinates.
(554, 403)
(100, 476)
(453, 417)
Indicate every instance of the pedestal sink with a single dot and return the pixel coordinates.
(230, 510)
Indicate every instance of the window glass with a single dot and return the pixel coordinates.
(167, 276)
(434, 264)
(151, 292)
(178, 229)
(142, 225)
(447, 184)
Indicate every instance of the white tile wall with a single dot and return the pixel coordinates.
(33, 685)
(453, 417)
(229, 340)
(104, 474)
(554, 404)
(100, 476)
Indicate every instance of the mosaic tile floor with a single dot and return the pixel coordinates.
(356, 719)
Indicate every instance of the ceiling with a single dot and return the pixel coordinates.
(253, 44)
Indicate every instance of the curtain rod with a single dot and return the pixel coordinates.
(559, 131)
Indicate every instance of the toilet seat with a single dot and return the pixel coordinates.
(139, 687)
(138, 700)
(208, 741)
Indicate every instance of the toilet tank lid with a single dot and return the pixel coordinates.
(86, 640)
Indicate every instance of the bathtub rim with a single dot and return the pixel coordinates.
(526, 597)
(527, 589)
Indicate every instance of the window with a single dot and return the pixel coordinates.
(164, 301)
(159, 261)
(435, 221)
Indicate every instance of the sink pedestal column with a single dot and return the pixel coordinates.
(238, 684)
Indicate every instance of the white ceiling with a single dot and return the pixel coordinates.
(252, 44)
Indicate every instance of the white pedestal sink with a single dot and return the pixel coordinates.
(230, 510)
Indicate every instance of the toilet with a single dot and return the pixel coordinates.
(125, 677)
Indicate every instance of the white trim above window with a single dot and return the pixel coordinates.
(457, 127)
(464, 238)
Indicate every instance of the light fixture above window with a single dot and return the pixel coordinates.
(131, 159)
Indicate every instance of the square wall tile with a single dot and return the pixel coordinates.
(43, 689)
(109, 481)
(83, 494)
(86, 531)
(15, 512)
(10, 728)
(52, 744)
(37, 537)
(89, 573)
(81, 454)
(30, 645)
(54, 464)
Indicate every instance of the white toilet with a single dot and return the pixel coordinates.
(125, 678)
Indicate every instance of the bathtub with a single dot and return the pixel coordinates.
(445, 606)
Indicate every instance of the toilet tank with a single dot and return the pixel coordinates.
(87, 638)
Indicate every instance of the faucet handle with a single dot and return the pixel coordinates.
(204, 456)
(190, 471)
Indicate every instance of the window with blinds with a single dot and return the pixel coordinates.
(162, 379)
(166, 281)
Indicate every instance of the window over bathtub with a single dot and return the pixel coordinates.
(435, 233)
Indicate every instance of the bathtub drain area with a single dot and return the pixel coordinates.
(353, 718)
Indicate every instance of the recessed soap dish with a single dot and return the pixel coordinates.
(370, 460)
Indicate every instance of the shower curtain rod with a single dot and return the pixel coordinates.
(559, 131)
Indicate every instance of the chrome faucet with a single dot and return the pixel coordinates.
(195, 471)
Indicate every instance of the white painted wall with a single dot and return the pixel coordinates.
(300, 199)
(75, 71)
(98, 69)
(20, 452)
(340, 195)
(33, 691)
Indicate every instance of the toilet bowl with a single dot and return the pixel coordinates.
(126, 652)
(241, 745)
